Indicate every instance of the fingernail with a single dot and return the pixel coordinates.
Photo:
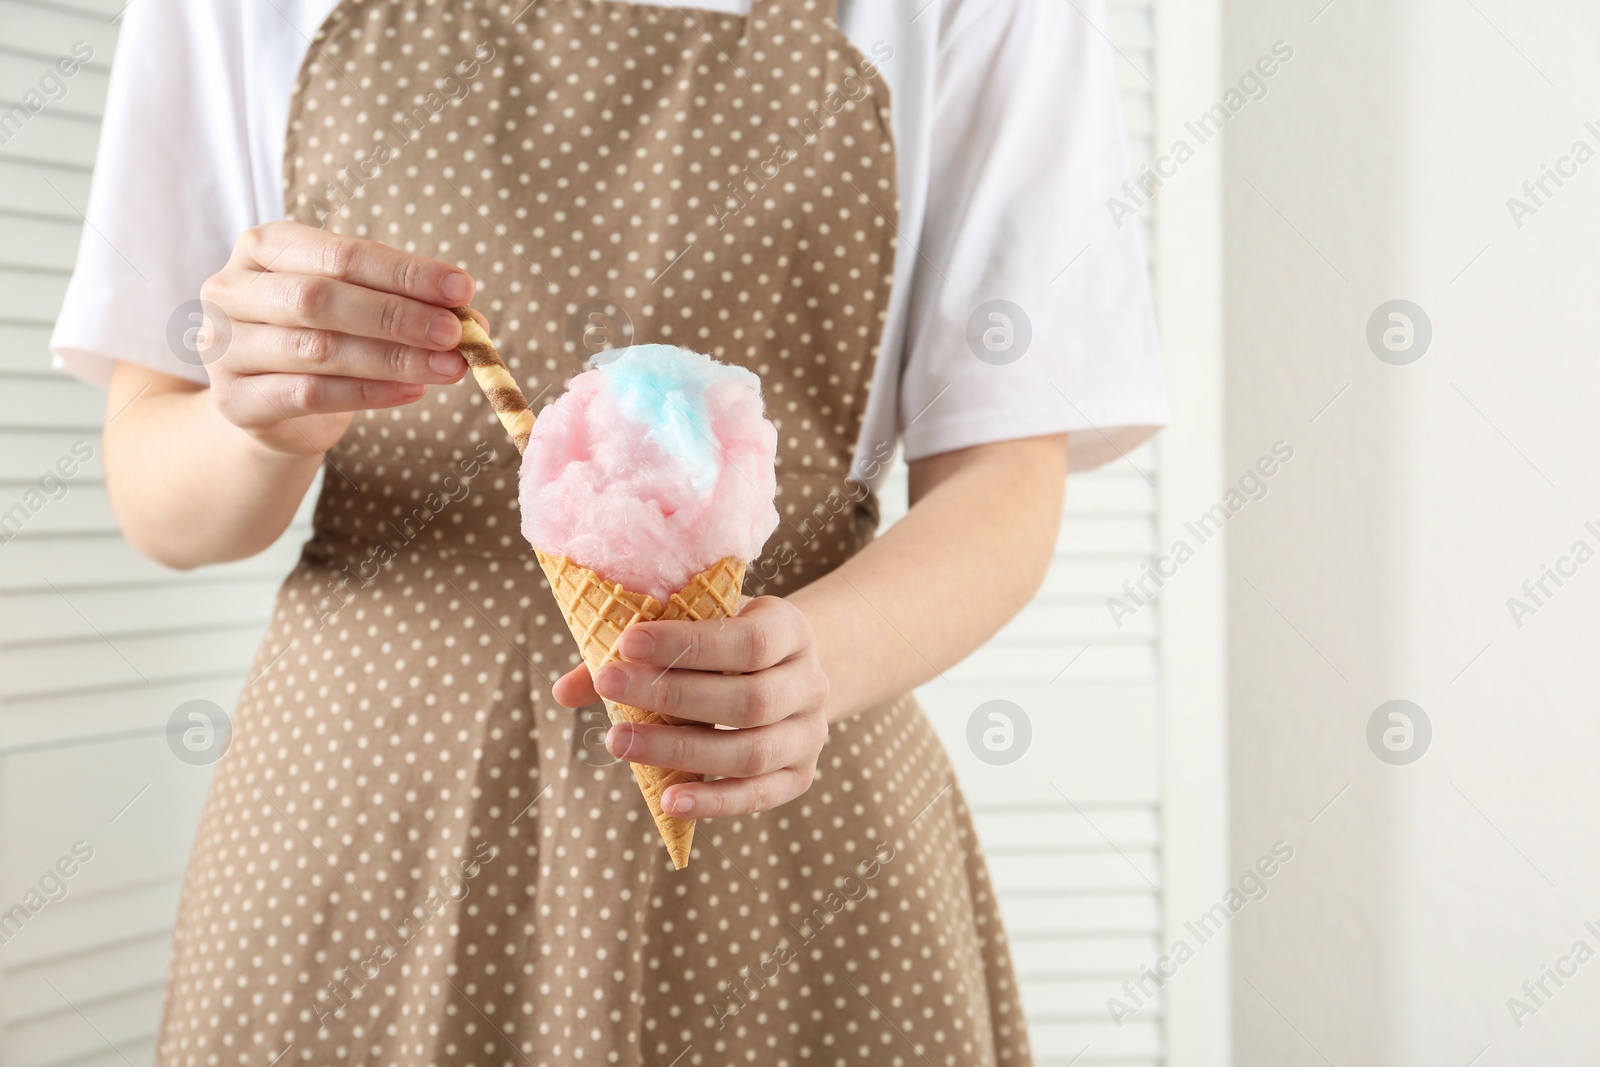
(447, 364)
(619, 739)
(637, 644)
(611, 682)
(456, 287)
(681, 804)
(444, 330)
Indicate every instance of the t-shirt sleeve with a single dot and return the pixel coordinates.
(1030, 312)
(172, 189)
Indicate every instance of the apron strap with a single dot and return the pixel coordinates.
(777, 14)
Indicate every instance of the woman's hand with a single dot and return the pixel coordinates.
(319, 326)
(757, 671)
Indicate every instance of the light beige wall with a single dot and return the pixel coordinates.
(1379, 565)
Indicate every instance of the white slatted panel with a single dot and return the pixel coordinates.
(97, 644)
(1083, 913)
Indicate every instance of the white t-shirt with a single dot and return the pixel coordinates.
(1008, 128)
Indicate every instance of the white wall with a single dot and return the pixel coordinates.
(1379, 564)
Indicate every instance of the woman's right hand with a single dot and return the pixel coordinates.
(319, 326)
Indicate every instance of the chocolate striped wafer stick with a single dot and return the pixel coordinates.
(495, 380)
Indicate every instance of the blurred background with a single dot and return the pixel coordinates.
(1289, 763)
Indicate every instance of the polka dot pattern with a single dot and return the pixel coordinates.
(410, 854)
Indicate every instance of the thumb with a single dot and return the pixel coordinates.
(575, 689)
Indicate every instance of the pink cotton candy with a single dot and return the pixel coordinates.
(651, 468)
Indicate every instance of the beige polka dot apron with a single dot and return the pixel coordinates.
(410, 854)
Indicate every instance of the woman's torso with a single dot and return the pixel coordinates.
(410, 854)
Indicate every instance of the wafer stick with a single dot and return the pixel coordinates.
(495, 380)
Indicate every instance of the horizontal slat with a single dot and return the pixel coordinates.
(48, 616)
(52, 137)
(1070, 704)
(80, 925)
(78, 562)
(110, 10)
(1035, 958)
(23, 349)
(38, 243)
(83, 94)
(1082, 913)
(26, 188)
(1006, 665)
(133, 801)
(1081, 999)
(29, 298)
(1078, 871)
(48, 30)
(141, 1052)
(1138, 1041)
(127, 660)
(1076, 576)
(76, 721)
(1053, 826)
(116, 969)
(83, 510)
(27, 454)
(1099, 535)
(1096, 742)
(101, 1028)
(1071, 623)
(1114, 489)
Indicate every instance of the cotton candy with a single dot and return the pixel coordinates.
(655, 464)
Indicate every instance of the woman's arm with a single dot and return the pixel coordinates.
(895, 615)
(314, 327)
(903, 610)
(187, 486)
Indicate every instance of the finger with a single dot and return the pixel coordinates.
(258, 348)
(767, 631)
(735, 753)
(735, 796)
(295, 248)
(575, 689)
(740, 700)
(264, 400)
(314, 302)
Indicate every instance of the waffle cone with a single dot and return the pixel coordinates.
(597, 611)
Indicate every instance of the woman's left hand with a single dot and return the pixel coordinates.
(757, 672)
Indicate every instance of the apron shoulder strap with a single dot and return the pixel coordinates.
(780, 13)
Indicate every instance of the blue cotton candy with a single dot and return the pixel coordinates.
(663, 388)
